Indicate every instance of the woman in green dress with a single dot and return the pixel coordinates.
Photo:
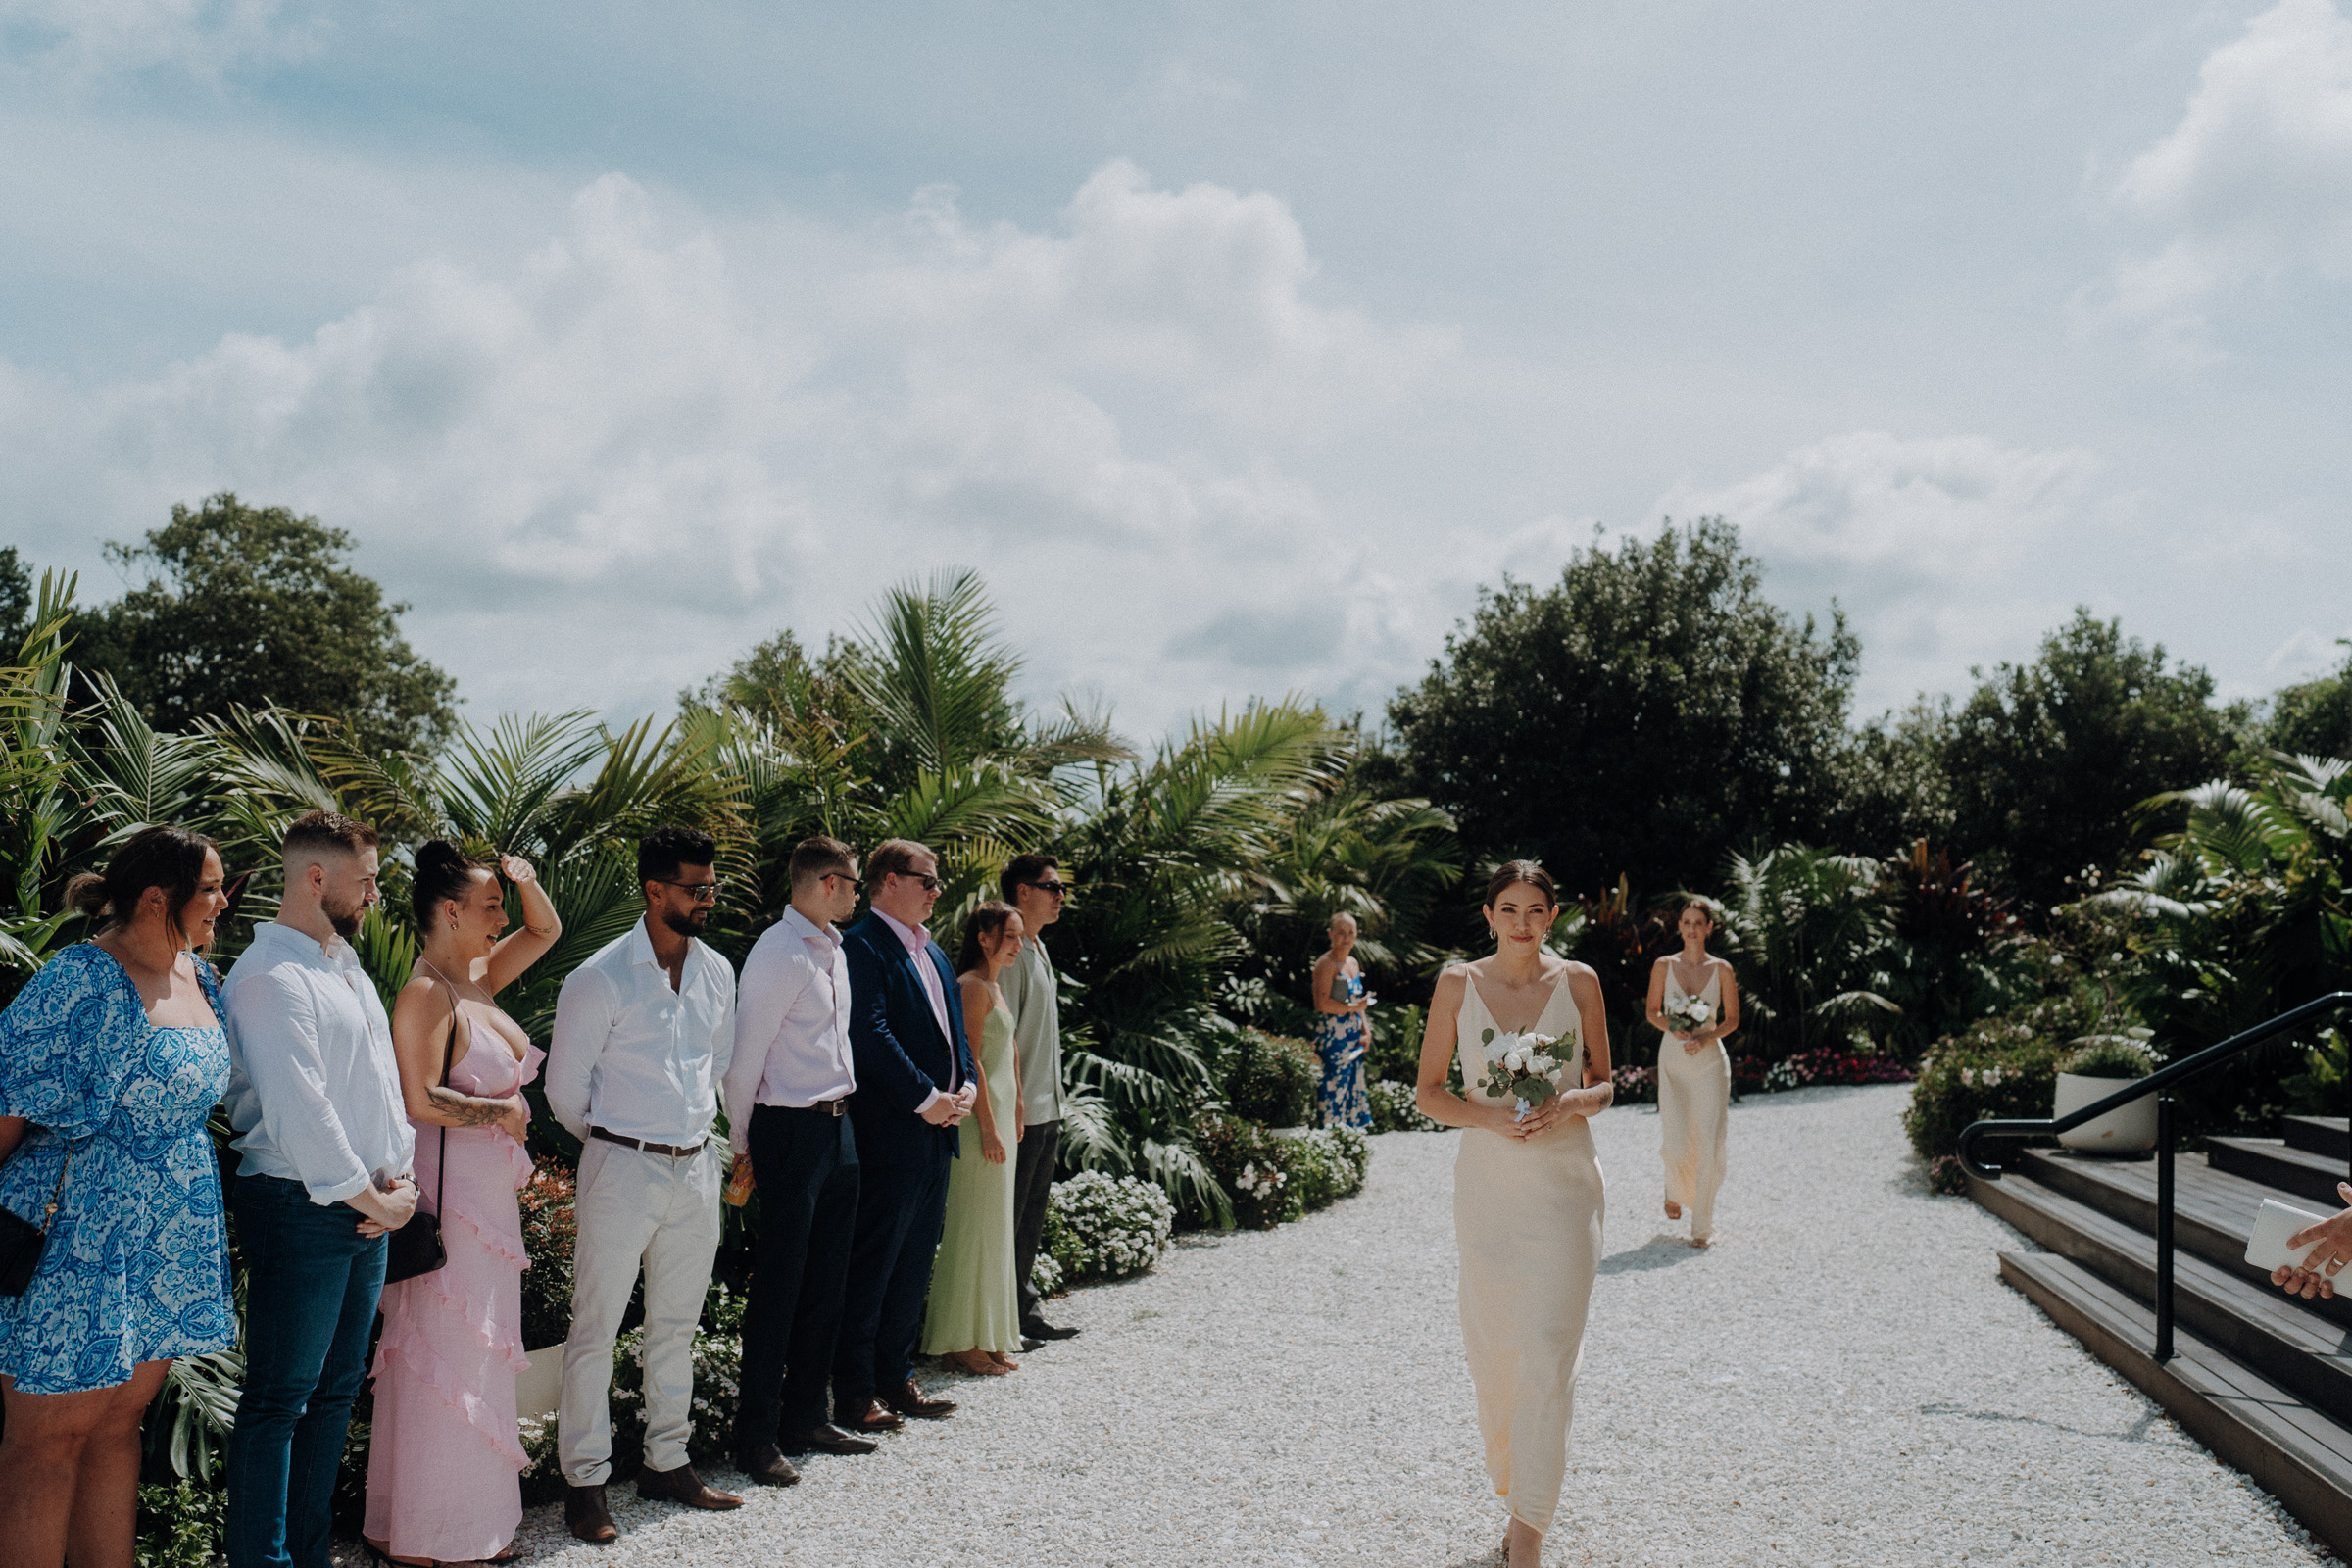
(975, 1311)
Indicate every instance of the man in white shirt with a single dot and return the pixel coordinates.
(642, 1034)
(1033, 885)
(788, 1096)
(313, 1093)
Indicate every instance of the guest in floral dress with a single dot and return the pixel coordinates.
(1341, 1033)
(111, 1059)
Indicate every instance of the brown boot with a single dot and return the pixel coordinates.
(909, 1399)
(587, 1516)
(682, 1484)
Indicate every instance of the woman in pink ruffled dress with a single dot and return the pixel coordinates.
(444, 1461)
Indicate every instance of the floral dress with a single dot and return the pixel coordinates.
(1339, 1040)
(136, 1265)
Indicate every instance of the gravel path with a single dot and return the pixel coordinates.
(1299, 1397)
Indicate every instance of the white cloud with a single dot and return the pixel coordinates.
(604, 470)
(1940, 547)
(2256, 179)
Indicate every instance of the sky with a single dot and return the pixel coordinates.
(1237, 345)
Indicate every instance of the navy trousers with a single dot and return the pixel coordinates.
(901, 1203)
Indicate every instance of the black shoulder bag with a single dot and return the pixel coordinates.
(22, 1241)
(415, 1248)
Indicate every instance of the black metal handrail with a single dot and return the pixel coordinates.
(2157, 1083)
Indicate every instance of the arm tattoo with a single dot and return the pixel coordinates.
(466, 1109)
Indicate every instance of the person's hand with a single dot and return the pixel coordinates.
(1693, 1045)
(943, 1111)
(2317, 1276)
(395, 1205)
(516, 1122)
(516, 869)
(992, 1147)
(740, 1171)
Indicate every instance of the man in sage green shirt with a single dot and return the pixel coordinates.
(1033, 885)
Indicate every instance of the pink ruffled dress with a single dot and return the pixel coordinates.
(444, 1460)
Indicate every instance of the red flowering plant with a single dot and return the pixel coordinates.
(550, 1232)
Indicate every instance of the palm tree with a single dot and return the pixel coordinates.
(1807, 936)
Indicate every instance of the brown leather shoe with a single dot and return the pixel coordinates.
(867, 1417)
(825, 1438)
(908, 1399)
(767, 1466)
(587, 1516)
(682, 1484)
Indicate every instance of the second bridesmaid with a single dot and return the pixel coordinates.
(975, 1312)
(1695, 1074)
(445, 1465)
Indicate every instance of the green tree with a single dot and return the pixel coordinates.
(255, 607)
(2314, 718)
(17, 600)
(1895, 790)
(1645, 715)
(2049, 763)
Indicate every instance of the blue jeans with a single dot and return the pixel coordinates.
(312, 1284)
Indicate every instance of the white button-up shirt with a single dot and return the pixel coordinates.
(792, 1023)
(636, 1057)
(314, 1085)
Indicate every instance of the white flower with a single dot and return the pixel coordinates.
(1515, 1059)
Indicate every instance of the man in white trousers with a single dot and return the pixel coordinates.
(644, 1031)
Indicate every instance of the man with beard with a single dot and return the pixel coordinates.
(313, 1093)
(644, 1031)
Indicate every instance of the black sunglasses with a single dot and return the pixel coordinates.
(1057, 889)
(699, 892)
(857, 883)
(931, 884)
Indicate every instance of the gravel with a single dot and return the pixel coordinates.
(1840, 1380)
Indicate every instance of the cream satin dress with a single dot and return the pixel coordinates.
(1527, 1220)
(1695, 1105)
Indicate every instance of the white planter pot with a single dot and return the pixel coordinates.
(2129, 1131)
(538, 1391)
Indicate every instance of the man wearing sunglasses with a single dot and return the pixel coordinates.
(644, 1032)
(914, 1083)
(1033, 885)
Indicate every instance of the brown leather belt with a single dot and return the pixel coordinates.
(640, 1144)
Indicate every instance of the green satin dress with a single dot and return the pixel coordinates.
(973, 1303)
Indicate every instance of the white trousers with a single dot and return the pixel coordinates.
(658, 1213)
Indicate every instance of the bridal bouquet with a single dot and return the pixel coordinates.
(1689, 1018)
(1521, 1066)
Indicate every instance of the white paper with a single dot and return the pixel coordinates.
(2267, 1249)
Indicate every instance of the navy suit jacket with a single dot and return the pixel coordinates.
(894, 1040)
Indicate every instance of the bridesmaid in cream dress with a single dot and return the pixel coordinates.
(1527, 1194)
(1695, 1074)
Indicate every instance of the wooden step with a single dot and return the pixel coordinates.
(2293, 1451)
(2320, 1134)
(2275, 1163)
(2258, 1325)
(2212, 1211)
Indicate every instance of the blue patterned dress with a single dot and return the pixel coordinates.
(1340, 1041)
(136, 1265)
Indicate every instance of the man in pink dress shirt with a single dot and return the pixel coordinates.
(914, 1083)
(788, 1089)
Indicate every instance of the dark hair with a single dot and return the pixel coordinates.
(815, 860)
(895, 858)
(1512, 873)
(158, 857)
(984, 920)
(1704, 904)
(662, 852)
(1022, 870)
(328, 830)
(443, 871)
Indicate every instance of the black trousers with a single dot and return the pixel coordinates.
(901, 1206)
(1032, 1185)
(805, 1164)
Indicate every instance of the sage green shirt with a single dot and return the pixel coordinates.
(1035, 1003)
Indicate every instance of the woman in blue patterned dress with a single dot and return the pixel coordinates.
(111, 1059)
(1341, 1031)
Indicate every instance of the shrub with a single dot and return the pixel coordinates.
(1271, 1079)
(2005, 1066)
(1348, 1152)
(1045, 1275)
(1831, 1065)
(2107, 1057)
(1397, 1109)
(549, 1235)
(1254, 1166)
(184, 1525)
(1103, 1227)
(1636, 1086)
